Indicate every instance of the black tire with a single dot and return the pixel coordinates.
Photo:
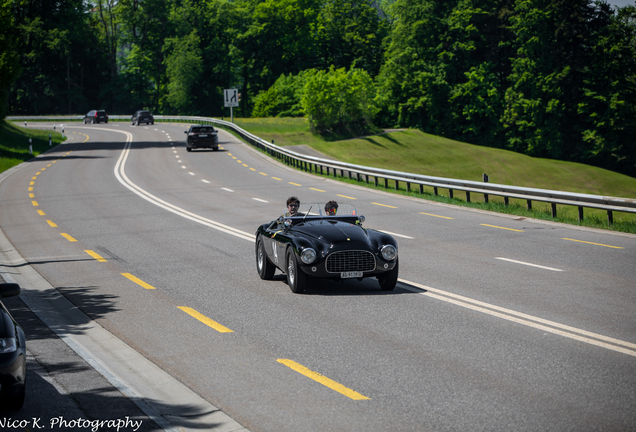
(296, 279)
(389, 279)
(264, 267)
(188, 149)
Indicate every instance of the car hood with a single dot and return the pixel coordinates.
(333, 232)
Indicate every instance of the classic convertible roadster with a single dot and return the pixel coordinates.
(314, 244)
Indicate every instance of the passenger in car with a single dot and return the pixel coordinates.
(331, 208)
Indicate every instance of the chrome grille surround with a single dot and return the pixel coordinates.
(354, 260)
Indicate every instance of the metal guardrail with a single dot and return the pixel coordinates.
(331, 167)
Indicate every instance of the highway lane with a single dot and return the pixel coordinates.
(421, 361)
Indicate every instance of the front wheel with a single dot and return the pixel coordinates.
(188, 149)
(389, 279)
(296, 279)
(264, 267)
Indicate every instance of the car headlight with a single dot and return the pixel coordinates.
(308, 255)
(389, 252)
(7, 345)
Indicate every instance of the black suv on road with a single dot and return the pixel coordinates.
(142, 117)
(200, 136)
(96, 116)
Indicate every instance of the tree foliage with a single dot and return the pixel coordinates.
(549, 78)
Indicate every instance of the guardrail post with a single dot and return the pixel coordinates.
(485, 179)
(386, 183)
(554, 209)
(450, 193)
(610, 217)
(506, 200)
(358, 177)
(467, 196)
(375, 181)
(421, 189)
(435, 190)
(408, 186)
(529, 204)
(397, 185)
(580, 214)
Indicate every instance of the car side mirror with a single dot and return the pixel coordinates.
(9, 290)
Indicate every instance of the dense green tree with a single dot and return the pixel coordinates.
(339, 100)
(9, 59)
(349, 33)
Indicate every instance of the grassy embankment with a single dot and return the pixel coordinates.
(14, 143)
(417, 152)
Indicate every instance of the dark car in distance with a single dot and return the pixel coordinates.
(142, 117)
(96, 116)
(12, 355)
(314, 244)
(202, 136)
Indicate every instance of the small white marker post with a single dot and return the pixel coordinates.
(50, 143)
(30, 147)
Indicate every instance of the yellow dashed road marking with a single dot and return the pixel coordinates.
(503, 228)
(383, 205)
(596, 244)
(333, 385)
(68, 237)
(53, 224)
(95, 255)
(438, 216)
(138, 281)
(205, 320)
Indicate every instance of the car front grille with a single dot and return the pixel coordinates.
(350, 261)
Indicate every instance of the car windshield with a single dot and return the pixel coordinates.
(202, 130)
(324, 210)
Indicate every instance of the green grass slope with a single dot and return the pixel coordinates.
(417, 152)
(14, 143)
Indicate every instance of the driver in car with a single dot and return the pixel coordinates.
(293, 204)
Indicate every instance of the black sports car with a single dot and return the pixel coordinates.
(12, 355)
(314, 244)
(200, 136)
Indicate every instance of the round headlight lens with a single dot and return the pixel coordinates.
(389, 252)
(308, 255)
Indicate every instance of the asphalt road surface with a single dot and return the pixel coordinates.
(498, 323)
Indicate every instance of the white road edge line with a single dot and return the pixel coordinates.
(524, 319)
(120, 174)
(260, 200)
(528, 264)
(397, 235)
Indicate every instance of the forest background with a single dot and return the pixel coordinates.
(547, 78)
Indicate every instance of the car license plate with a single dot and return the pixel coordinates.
(350, 274)
(203, 136)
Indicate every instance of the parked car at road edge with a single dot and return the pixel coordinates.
(12, 355)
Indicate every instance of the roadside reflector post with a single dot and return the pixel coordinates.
(25, 123)
(50, 140)
(30, 147)
(485, 179)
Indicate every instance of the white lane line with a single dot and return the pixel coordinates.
(121, 176)
(205, 181)
(397, 235)
(524, 319)
(226, 189)
(528, 264)
(259, 200)
(191, 173)
(182, 166)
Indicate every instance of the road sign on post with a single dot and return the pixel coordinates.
(231, 98)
